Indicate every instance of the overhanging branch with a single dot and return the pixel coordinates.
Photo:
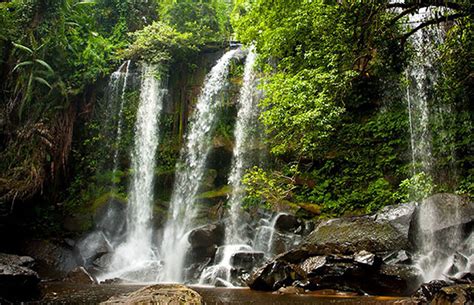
(431, 22)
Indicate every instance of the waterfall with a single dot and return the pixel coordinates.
(443, 252)
(135, 254)
(245, 128)
(118, 138)
(421, 77)
(190, 171)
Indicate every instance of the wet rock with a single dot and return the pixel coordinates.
(53, 258)
(281, 242)
(275, 275)
(247, 260)
(194, 271)
(113, 281)
(110, 218)
(287, 223)
(16, 279)
(361, 273)
(395, 280)
(92, 247)
(80, 275)
(313, 264)
(222, 283)
(397, 257)
(11, 259)
(206, 236)
(290, 290)
(201, 255)
(367, 258)
(102, 262)
(427, 291)
(456, 294)
(443, 216)
(399, 216)
(350, 235)
(460, 263)
(159, 294)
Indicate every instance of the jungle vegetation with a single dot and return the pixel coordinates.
(334, 111)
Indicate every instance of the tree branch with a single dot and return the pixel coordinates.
(431, 22)
(435, 3)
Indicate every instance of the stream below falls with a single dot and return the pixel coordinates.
(70, 293)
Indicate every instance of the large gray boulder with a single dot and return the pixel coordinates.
(399, 216)
(442, 216)
(53, 259)
(159, 295)
(206, 236)
(362, 272)
(17, 280)
(351, 235)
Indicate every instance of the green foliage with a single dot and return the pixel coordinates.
(207, 21)
(161, 43)
(268, 187)
(415, 188)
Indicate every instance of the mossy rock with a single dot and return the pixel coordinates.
(220, 192)
(350, 235)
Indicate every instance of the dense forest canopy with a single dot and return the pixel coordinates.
(334, 110)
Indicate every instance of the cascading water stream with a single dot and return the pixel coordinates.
(118, 138)
(437, 256)
(245, 128)
(190, 171)
(421, 76)
(135, 254)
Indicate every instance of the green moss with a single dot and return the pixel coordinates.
(221, 192)
(104, 198)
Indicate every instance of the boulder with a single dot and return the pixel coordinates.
(53, 259)
(200, 254)
(206, 236)
(247, 260)
(193, 271)
(366, 258)
(427, 291)
(397, 257)
(17, 280)
(443, 216)
(11, 259)
(110, 218)
(287, 223)
(159, 295)
(282, 242)
(456, 294)
(350, 235)
(362, 272)
(92, 247)
(399, 216)
(274, 275)
(80, 275)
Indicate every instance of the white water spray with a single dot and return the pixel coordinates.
(118, 138)
(245, 128)
(437, 257)
(190, 171)
(135, 254)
